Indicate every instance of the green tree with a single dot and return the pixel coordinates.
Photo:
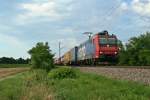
(137, 51)
(122, 53)
(11, 60)
(41, 56)
(144, 57)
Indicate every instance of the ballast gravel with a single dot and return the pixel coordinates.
(133, 74)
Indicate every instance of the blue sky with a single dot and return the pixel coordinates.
(23, 23)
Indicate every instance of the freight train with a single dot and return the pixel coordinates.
(101, 48)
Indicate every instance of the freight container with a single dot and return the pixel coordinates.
(74, 52)
(86, 50)
(67, 57)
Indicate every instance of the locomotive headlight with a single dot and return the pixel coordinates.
(115, 52)
(101, 52)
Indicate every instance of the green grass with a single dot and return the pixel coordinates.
(34, 85)
(10, 88)
(31, 85)
(14, 65)
(94, 87)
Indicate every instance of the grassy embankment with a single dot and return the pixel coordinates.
(34, 85)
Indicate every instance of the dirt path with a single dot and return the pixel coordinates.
(134, 74)
(5, 72)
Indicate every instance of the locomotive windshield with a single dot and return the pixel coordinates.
(110, 41)
(103, 41)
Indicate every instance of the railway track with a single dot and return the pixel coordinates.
(114, 66)
(138, 74)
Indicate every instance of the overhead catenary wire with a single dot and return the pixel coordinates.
(113, 9)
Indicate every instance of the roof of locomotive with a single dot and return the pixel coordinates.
(105, 34)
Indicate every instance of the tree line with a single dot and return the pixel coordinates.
(11, 60)
(136, 52)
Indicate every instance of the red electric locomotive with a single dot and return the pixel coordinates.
(106, 48)
(101, 48)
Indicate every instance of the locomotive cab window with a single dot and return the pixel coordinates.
(103, 41)
(112, 41)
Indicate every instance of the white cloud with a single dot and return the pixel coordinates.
(40, 9)
(141, 7)
(50, 9)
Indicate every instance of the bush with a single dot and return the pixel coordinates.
(61, 73)
(42, 57)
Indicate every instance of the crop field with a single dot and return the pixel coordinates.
(4, 72)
